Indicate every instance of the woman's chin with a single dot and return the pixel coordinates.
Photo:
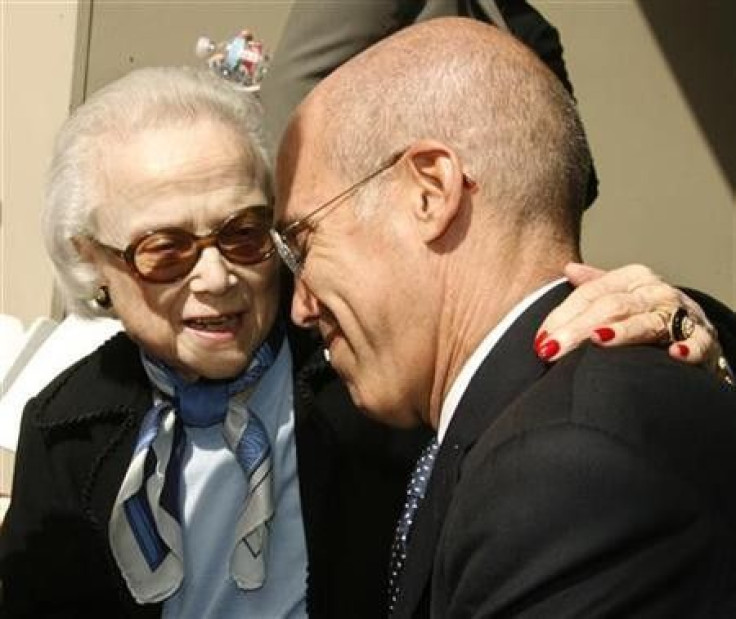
(214, 367)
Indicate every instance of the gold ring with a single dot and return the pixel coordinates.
(664, 330)
(680, 325)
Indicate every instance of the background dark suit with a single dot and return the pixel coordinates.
(320, 35)
(600, 486)
(76, 442)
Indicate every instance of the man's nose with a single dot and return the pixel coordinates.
(304, 305)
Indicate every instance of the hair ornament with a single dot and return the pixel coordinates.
(242, 60)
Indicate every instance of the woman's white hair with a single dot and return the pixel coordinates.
(144, 99)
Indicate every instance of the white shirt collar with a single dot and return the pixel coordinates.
(470, 367)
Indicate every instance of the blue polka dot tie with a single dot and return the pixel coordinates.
(414, 494)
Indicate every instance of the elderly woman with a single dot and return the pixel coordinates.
(184, 469)
(202, 463)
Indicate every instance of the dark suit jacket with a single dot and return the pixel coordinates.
(601, 486)
(76, 442)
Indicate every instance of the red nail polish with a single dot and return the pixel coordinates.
(605, 334)
(539, 339)
(683, 350)
(549, 349)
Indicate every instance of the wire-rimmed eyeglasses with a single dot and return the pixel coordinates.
(285, 241)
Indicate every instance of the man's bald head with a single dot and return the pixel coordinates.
(468, 85)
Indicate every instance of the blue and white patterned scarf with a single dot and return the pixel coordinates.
(145, 524)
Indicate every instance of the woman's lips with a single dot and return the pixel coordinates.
(226, 323)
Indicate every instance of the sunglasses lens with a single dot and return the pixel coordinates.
(165, 256)
(246, 239)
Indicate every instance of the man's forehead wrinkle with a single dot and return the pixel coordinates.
(288, 156)
(300, 165)
(304, 195)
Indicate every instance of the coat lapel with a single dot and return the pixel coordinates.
(315, 472)
(508, 370)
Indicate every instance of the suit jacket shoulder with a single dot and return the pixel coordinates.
(610, 474)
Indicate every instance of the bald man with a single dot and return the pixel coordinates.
(430, 194)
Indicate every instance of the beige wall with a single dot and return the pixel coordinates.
(125, 36)
(665, 199)
(38, 43)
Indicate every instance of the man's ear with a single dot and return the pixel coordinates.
(437, 194)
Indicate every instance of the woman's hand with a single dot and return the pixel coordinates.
(630, 305)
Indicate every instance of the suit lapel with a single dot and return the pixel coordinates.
(508, 370)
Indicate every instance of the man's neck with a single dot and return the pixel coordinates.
(482, 351)
(478, 299)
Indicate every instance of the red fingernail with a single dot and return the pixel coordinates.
(683, 350)
(549, 349)
(605, 334)
(539, 339)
